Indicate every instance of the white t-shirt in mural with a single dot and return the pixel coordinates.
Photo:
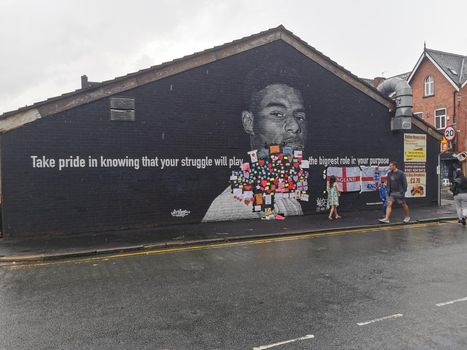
(225, 207)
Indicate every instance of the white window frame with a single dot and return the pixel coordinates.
(418, 114)
(441, 117)
(429, 86)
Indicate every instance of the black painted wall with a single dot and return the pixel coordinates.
(193, 114)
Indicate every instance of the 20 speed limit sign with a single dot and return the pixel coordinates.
(449, 133)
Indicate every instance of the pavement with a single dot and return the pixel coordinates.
(16, 250)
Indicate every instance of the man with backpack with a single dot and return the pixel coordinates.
(459, 190)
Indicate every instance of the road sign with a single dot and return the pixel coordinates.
(444, 145)
(449, 133)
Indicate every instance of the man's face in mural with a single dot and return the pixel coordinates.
(276, 116)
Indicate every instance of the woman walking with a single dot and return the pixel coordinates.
(333, 198)
(459, 190)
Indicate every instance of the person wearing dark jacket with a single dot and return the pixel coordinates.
(397, 186)
(459, 190)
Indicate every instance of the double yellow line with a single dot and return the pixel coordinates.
(197, 247)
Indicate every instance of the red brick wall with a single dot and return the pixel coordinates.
(443, 97)
(462, 118)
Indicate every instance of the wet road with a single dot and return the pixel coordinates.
(398, 288)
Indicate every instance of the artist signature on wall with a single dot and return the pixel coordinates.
(180, 213)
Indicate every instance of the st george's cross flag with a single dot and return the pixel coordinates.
(372, 177)
(348, 178)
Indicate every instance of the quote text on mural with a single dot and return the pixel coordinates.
(43, 162)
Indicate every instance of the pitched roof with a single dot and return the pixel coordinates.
(404, 76)
(453, 66)
(367, 81)
(13, 119)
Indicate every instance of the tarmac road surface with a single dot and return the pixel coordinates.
(401, 287)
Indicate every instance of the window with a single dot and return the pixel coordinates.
(440, 118)
(418, 115)
(429, 86)
(122, 109)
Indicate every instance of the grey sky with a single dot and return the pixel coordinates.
(45, 46)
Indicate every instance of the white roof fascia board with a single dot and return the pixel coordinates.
(442, 72)
(416, 67)
(19, 119)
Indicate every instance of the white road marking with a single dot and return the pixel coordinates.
(262, 347)
(379, 319)
(451, 302)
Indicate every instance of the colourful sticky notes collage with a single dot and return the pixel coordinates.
(274, 173)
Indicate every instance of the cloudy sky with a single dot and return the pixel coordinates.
(45, 46)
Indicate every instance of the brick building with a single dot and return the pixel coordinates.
(159, 146)
(439, 84)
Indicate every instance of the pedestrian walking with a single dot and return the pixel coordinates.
(396, 188)
(333, 198)
(383, 194)
(459, 190)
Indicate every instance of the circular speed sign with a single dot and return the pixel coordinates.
(449, 133)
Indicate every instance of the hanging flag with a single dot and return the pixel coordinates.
(348, 178)
(372, 177)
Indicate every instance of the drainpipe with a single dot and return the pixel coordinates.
(438, 173)
(402, 92)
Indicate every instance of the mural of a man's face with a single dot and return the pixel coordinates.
(277, 116)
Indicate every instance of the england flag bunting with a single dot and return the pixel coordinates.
(372, 177)
(358, 179)
(348, 178)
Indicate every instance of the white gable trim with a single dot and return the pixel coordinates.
(442, 71)
(416, 67)
(425, 54)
